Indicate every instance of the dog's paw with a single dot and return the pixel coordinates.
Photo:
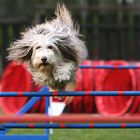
(61, 78)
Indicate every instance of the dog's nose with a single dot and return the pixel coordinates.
(44, 59)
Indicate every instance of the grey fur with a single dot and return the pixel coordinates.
(68, 49)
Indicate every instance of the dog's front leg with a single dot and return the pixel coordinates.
(56, 90)
(70, 87)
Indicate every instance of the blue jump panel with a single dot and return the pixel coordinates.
(24, 137)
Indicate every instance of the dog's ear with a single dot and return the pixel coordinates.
(64, 16)
(20, 51)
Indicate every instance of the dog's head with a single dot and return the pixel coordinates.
(50, 43)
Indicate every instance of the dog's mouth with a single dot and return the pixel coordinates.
(43, 64)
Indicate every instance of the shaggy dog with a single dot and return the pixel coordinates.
(52, 51)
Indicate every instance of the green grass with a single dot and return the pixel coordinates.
(87, 134)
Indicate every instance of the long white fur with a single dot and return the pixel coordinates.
(61, 32)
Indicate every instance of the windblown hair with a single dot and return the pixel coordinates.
(63, 35)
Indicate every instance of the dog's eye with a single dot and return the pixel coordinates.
(50, 47)
(38, 47)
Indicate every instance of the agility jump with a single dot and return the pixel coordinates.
(69, 121)
(90, 119)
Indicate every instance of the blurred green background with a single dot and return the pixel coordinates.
(86, 134)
